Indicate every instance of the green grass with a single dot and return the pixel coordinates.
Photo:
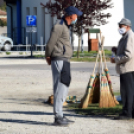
(8, 53)
(39, 56)
(85, 54)
(116, 93)
(89, 56)
(93, 109)
(91, 53)
(21, 53)
(3, 7)
(84, 57)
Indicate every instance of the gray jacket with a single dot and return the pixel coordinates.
(58, 46)
(125, 54)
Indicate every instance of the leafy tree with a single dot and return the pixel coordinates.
(2, 5)
(92, 13)
(3, 23)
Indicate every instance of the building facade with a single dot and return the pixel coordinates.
(17, 10)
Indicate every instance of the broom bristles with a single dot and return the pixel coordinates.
(94, 95)
(110, 86)
(85, 99)
(106, 98)
(84, 103)
(103, 98)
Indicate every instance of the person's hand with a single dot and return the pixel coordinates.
(48, 59)
(112, 60)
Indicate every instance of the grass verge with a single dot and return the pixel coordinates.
(8, 53)
(93, 109)
(91, 53)
(84, 57)
(39, 56)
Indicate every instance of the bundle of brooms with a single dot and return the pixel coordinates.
(99, 89)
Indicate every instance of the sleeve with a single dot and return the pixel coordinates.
(128, 52)
(55, 34)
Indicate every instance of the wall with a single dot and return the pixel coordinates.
(129, 10)
(44, 22)
(9, 32)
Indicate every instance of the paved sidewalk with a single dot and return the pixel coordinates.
(23, 111)
(23, 61)
(12, 61)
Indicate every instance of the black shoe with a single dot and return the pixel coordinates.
(67, 120)
(122, 117)
(61, 122)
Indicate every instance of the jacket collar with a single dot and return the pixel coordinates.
(63, 18)
(126, 34)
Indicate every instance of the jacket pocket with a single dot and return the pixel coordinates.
(65, 74)
(64, 49)
(122, 68)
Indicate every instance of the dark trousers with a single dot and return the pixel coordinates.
(127, 92)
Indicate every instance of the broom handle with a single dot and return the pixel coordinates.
(96, 63)
(99, 41)
(101, 61)
(99, 65)
(103, 53)
(105, 60)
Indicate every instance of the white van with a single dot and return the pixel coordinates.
(5, 43)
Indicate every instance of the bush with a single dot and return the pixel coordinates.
(3, 6)
(3, 23)
(8, 53)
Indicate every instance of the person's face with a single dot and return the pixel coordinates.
(123, 29)
(73, 18)
(123, 26)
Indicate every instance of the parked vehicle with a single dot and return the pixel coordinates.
(6, 43)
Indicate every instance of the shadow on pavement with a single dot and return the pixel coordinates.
(48, 113)
(26, 122)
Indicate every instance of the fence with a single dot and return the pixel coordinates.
(21, 47)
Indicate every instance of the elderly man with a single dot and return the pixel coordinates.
(124, 60)
(58, 54)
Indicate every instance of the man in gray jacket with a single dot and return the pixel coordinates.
(58, 55)
(124, 60)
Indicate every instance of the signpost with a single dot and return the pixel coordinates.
(31, 22)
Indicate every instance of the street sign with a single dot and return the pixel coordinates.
(31, 20)
(31, 29)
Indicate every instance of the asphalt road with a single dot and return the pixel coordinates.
(85, 67)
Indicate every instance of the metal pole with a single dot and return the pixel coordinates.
(31, 44)
(82, 41)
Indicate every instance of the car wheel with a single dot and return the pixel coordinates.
(7, 46)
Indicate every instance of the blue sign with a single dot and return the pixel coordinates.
(31, 20)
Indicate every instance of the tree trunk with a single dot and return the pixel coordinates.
(79, 43)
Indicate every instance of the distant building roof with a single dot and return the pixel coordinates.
(3, 12)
